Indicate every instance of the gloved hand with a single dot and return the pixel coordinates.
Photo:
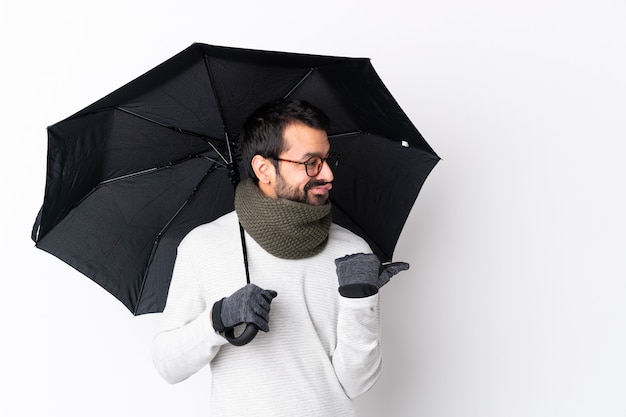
(249, 304)
(362, 275)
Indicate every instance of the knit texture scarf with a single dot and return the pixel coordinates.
(284, 228)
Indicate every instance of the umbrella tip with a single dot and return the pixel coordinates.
(405, 143)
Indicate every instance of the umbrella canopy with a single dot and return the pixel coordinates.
(130, 175)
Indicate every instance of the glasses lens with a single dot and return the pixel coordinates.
(313, 166)
(332, 160)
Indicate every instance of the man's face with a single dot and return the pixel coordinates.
(292, 181)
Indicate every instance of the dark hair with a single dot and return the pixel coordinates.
(262, 132)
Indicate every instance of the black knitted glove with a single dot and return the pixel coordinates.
(362, 275)
(249, 304)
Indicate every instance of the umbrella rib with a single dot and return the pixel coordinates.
(205, 138)
(158, 168)
(231, 165)
(134, 174)
(299, 83)
(164, 229)
(345, 134)
(219, 109)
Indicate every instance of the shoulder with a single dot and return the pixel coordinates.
(345, 242)
(225, 225)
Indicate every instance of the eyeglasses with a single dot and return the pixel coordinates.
(314, 164)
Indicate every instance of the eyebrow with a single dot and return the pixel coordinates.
(312, 154)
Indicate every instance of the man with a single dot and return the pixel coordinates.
(320, 280)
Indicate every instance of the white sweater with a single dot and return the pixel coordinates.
(322, 350)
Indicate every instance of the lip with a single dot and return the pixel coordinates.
(322, 188)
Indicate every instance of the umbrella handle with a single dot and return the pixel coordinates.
(244, 338)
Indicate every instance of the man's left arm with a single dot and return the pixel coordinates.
(357, 358)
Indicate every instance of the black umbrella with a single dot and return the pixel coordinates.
(130, 175)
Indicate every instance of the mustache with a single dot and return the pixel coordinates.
(315, 183)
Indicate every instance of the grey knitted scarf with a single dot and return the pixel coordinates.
(284, 228)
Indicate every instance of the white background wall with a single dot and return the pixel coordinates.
(515, 302)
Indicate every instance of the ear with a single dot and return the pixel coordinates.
(263, 169)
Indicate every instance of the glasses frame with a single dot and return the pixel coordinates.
(307, 164)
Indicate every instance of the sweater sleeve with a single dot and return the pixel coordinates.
(357, 358)
(186, 341)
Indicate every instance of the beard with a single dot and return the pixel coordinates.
(289, 192)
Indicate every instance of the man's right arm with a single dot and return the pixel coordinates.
(187, 341)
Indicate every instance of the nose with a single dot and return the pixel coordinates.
(325, 174)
